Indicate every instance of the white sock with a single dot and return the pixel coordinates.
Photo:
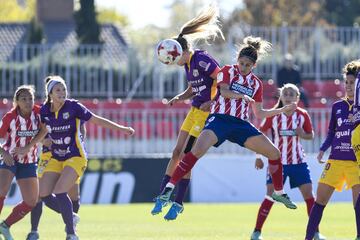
(280, 192)
(170, 185)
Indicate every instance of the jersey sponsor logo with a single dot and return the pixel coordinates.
(197, 90)
(62, 152)
(64, 128)
(342, 133)
(241, 89)
(287, 132)
(27, 133)
(346, 121)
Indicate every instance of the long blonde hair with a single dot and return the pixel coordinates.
(204, 26)
(254, 48)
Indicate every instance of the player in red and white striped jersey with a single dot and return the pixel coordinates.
(18, 127)
(239, 89)
(287, 129)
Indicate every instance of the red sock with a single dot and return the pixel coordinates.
(18, 212)
(309, 204)
(184, 166)
(276, 172)
(2, 199)
(263, 213)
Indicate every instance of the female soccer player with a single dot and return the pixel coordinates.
(239, 88)
(201, 71)
(19, 126)
(341, 168)
(74, 192)
(60, 118)
(287, 129)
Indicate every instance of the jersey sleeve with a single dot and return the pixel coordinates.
(5, 124)
(82, 112)
(224, 76)
(307, 123)
(258, 96)
(331, 131)
(265, 124)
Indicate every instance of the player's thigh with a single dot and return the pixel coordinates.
(47, 183)
(29, 188)
(262, 145)
(324, 193)
(6, 177)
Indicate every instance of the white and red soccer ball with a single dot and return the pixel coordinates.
(169, 51)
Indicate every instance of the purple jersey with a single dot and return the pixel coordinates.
(198, 72)
(339, 135)
(64, 129)
(357, 101)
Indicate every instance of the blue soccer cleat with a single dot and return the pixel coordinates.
(174, 211)
(159, 204)
(33, 235)
(284, 198)
(5, 231)
(319, 236)
(256, 235)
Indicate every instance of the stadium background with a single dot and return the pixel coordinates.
(116, 75)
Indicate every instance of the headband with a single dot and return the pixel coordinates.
(52, 83)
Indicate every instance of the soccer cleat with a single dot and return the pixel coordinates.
(174, 211)
(33, 235)
(76, 220)
(5, 231)
(256, 235)
(319, 236)
(166, 194)
(159, 204)
(284, 198)
(72, 237)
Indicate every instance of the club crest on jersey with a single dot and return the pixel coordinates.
(195, 73)
(66, 115)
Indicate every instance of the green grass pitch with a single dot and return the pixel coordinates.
(198, 222)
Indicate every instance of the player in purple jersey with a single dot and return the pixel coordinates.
(74, 192)
(60, 118)
(201, 71)
(341, 167)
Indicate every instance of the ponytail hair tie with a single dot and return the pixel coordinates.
(180, 35)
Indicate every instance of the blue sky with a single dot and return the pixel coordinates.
(156, 12)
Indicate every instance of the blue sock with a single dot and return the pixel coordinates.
(314, 220)
(35, 216)
(76, 205)
(50, 202)
(66, 211)
(181, 190)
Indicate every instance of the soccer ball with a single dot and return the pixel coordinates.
(169, 51)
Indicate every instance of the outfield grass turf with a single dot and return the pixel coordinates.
(198, 222)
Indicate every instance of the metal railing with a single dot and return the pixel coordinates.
(111, 72)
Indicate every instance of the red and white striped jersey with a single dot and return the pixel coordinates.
(19, 131)
(283, 130)
(249, 85)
